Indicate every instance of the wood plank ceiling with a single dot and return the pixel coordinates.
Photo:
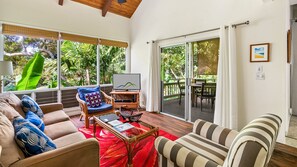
(125, 9)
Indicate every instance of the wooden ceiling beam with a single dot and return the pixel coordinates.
(106, 7)
(61, 2)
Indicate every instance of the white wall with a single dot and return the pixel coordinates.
(156, 19)
(72, 17)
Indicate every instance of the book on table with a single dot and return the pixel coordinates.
(123, 127)
(115, 123)
(108, 117)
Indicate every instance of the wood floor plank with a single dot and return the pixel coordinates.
(283, 155)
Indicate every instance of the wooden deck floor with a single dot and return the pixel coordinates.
(283, 155)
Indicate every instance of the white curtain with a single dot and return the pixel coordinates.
(153, 89)
(226, 108)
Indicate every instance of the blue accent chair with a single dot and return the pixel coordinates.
(107, 106)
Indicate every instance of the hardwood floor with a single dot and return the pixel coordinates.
(283, 155)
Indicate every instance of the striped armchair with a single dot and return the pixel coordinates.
(210, 145)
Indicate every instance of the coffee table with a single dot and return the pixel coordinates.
(130, 139)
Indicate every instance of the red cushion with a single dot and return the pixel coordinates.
(93, 99)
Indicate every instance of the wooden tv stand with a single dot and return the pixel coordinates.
(128, 99)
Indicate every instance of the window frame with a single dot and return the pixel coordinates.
(59, 87)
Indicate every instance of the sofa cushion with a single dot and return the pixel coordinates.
(29, 104)
(60, 129)
(103, 107)
(34, 119)
(55, 117)
(30, 139)
(69, 139)
(93, 99)
(83, 91)
(204, 147)
(10, 151)
(8, 110)
(14, 101)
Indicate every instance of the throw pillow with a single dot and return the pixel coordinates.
(10, 151)
(34, 119)
(93, 99)
(83, 91)
(30, 139)
(28, 104)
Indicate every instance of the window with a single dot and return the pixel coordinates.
(26, 52)
(112, 61)
(35, 59)
(78, 64)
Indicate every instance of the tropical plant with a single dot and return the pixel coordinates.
(112, 61)
(31, 73)
(78, 64)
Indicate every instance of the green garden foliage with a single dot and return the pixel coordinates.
(31, 73)
(78, 62)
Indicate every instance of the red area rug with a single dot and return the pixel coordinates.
(113, 152)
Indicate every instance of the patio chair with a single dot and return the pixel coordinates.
(208, 91)
(107, 104)
(197, 89)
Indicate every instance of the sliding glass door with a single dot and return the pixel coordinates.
(188, 79)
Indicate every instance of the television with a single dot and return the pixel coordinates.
(126, 82)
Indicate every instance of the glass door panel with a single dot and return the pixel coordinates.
(173, 61)
(203, 57)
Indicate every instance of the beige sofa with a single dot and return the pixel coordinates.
(73, 149)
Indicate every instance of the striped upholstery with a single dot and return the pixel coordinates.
(254, 145)
(218, 134)
(204, 147)
(172, 154)
(212, 146)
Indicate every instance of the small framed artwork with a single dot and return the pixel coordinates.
(259, 52)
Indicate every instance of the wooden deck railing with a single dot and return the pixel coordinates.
(171, 90)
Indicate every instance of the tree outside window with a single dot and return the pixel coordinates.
(112, 61)
(78, 64)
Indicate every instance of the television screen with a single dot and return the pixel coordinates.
(126, 82)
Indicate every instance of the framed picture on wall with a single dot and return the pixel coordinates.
(259, 52)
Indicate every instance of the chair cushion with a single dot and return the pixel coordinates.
(10, 151)
(34, 119)
(93, 99)
(59, 129)
(83, 91)
(30, 139)
(103, 107)
(29, 104)
(69, 139)
(204, 147)
(55, 117)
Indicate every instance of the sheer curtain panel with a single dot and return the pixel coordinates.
(226, 108)
(153, 89)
